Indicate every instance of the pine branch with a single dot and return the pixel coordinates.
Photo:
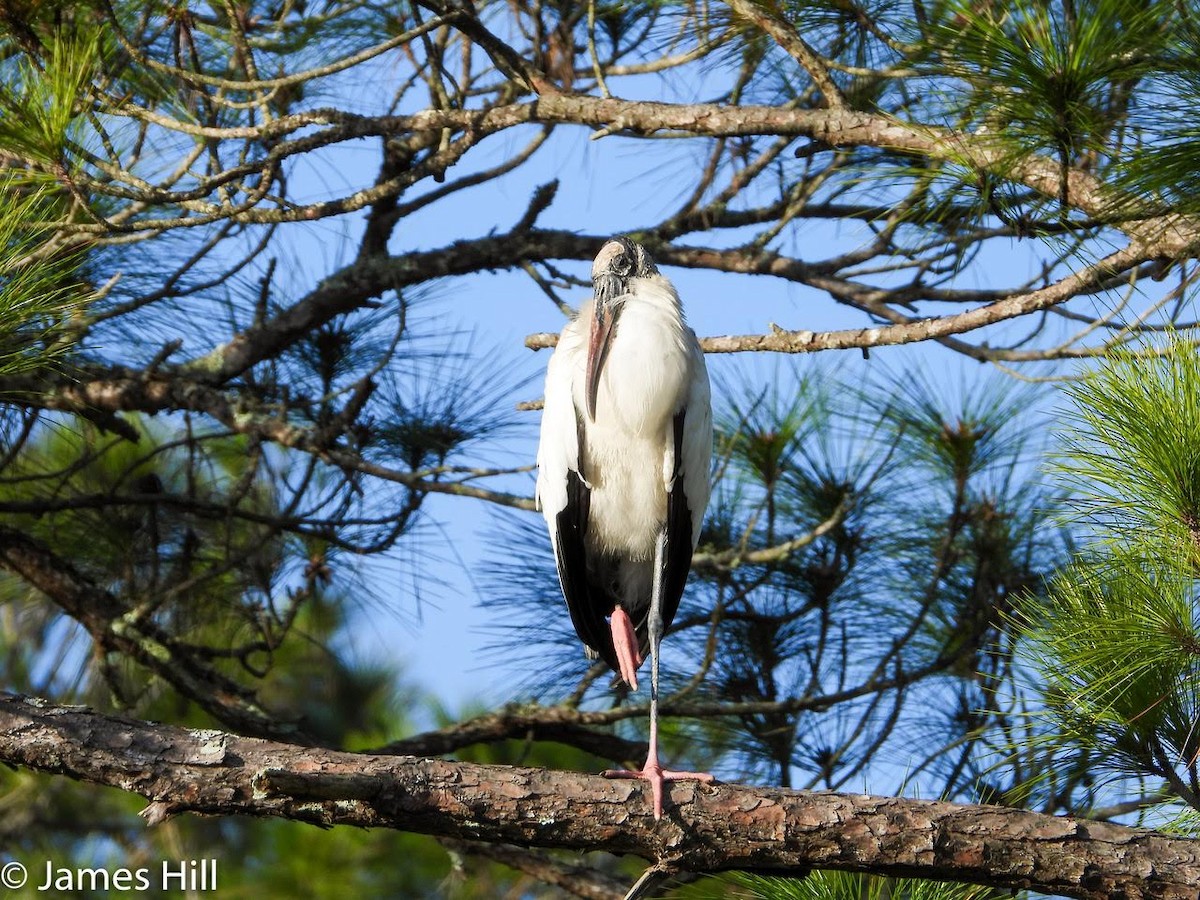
(911, 330)
(708, 829)
(1170, 235)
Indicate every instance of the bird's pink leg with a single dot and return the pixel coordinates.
(654, 773)
(626, 643)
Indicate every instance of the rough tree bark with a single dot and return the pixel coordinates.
(706, 829)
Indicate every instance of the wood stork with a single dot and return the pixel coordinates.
(623, 464)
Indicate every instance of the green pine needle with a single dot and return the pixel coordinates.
(41, 117)
(1131, 450)
(1116, 639)
(36, 298)
(828, 885)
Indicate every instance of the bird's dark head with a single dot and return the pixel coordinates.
(618, 261)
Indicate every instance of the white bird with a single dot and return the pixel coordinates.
(623, 467)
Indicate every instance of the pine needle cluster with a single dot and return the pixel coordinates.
(36, 301)
(828, 885)
(1117, 639)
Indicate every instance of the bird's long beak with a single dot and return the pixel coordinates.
(599, 341)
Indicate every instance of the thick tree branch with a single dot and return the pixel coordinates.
(707, 829)
(1173, 235)
(1170, 235)
(367, 279)
(784, 341)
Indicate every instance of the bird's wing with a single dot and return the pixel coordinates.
(558, 445)
(587, 607)
(687, 496)
(564, 497)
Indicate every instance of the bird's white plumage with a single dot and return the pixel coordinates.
(655, 369)
(558, 447)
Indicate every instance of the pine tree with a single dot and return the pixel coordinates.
(239, 241)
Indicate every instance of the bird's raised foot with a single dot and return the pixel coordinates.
(658, 776)
(625, 642)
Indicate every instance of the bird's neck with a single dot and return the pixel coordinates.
(653, 294)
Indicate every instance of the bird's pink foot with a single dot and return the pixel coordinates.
(626, 643)
(658, 776)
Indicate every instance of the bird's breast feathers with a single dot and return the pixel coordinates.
(645, 378)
